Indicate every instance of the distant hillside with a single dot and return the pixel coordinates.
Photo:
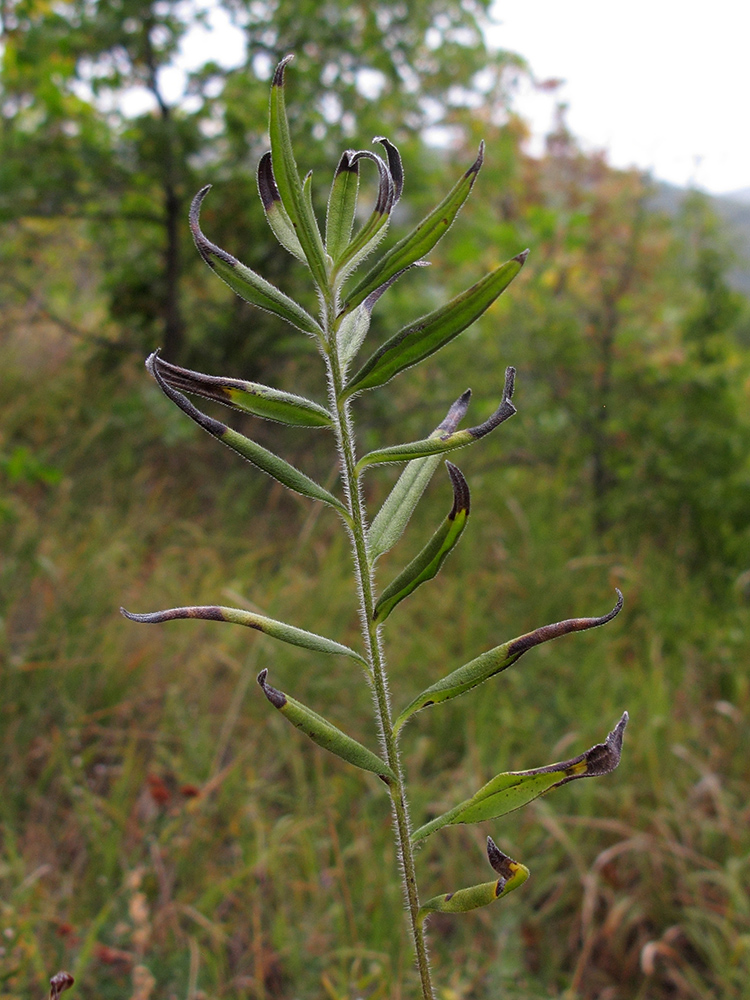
(734, 209)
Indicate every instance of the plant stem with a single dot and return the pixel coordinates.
(376, 658)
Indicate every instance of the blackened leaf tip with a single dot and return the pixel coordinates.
(278, 76)
(277, 698)
(461, 494)
(455, 414)
(521, 257)
(499, 861)
(477, 164)
(195, 207)
(267, 188)
(605, 757)
(346, 163)
(615, 610)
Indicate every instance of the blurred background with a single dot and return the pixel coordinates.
(162, 832)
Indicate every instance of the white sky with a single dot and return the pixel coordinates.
(660, 84)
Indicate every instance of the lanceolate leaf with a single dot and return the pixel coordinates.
(420, 241)
(324, 733)
(260, 400)
(510, 791)
(495, 660)
(400, 503)
(342, 204)
(373, 230)
(354, 326)
(429, 561)
(277, 216)
(425, 336)
(287, 179)
(246, 283)
(265, 460)
(237, 616)
(512, 875)
(438, 444)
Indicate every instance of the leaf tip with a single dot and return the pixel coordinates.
(204, 246)
(150, 362)
(278, 76)
(267, 189)
(614, 612)
(461, 494)
(455, 414)
(521, 257)
(277, 698)
(347, 164)
(477, 164)
(605, 757)
(503, 864)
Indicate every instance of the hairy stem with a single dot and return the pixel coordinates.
(375, 656)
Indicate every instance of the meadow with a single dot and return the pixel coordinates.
(164, 833)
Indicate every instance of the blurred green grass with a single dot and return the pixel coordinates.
(165, 834)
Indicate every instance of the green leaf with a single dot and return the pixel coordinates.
(420, 241)
(401, 502)
(277, 216)
(354, 326)
(260, 400)
(506, 792)
(430, 560)
(495, 660)
(438, 444)
(295, 202)
(265, 460)
(427, 335)
(237, 616)
(373, 230)
(246, 283)
(512, 875)
(342, 205)
(324, 733)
